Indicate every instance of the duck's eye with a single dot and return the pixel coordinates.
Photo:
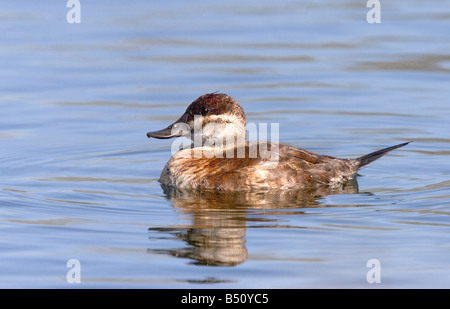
(204, 111)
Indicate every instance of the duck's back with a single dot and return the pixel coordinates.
(284, 168)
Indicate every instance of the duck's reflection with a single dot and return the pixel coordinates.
(216, 234)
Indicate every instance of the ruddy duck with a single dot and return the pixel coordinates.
(214, 118)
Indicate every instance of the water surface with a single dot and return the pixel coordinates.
(79, 178)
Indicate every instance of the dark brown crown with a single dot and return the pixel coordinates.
(215, 104)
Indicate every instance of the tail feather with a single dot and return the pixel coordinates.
(364, 160)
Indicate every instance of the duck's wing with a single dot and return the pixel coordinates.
(311, 169)
(303, 158)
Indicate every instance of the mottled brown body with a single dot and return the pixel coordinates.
(294, 169)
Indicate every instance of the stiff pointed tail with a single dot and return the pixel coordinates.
(364, 160)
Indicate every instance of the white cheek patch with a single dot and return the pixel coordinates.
(216, 127)
(225, 119)
(213, 135)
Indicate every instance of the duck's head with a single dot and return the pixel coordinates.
(211, 118)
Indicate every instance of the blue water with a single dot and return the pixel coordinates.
(79, 178)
